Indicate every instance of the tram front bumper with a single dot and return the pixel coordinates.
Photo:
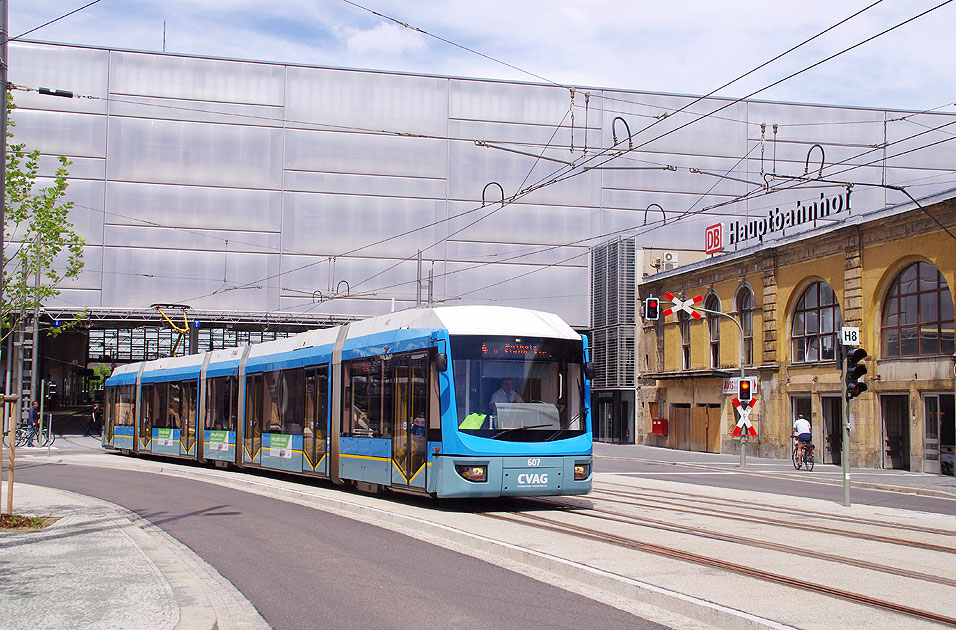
(512, 476)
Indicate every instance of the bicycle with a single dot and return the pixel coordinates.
(25, 433)
(807, 461)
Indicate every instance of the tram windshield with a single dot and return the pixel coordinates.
(519, 389)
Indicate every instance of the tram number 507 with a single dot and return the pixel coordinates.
(534, 461)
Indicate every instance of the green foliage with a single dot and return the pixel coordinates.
(42, 249)
(100, 374)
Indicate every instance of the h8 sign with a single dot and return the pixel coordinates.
(850, 335)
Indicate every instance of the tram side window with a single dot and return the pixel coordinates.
(285, 402)
(174, 406)
(221, 403)
(272, 390)
(362, 404)
(123, 401)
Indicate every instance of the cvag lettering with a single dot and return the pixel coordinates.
(533, 479)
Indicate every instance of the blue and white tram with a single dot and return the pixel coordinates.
(466, 401)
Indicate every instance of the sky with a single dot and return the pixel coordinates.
(680, 46)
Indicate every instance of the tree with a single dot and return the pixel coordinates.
(41, 247)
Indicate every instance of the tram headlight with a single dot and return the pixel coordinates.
(472, 473)
(581, 471)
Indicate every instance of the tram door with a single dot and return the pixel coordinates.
(252, 431)
(406, 380)
(316, 420)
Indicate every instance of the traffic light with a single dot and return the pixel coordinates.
(745, 392)
(652, 309)
(855, 370)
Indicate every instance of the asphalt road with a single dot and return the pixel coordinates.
(305, 568)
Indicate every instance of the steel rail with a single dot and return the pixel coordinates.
(630, 519)
(790, 525)
(677, 554)
(652, 495)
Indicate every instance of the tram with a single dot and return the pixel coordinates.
(462, 401)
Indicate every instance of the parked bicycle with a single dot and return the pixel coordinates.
(807, 460)
(24, 434)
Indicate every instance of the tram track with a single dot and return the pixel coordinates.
(785, 524)
(553, 525)
(643, 521)
(740, 503)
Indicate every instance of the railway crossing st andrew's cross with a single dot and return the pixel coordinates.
(744, 426)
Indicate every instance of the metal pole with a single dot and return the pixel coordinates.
(740, 358)
(4, 34)
(418, 299)
(17, 410)
(845, 447)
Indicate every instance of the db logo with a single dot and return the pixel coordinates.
(714, 239)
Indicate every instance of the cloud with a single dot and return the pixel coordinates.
(688, 47)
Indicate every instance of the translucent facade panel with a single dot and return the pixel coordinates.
(335, 224)
(136, 278)
(335, 152)
(86, 215)
(521, 223)
(239, 209)
(71, 298)
(79, 70)
(216, 174)
(561, 290)
(367, 100)
(481, 253)
(59, 133)
(310, 280)
(81, 167)
(357, 184)
(682, 179)
(508, 102)
(532, 138)
(89, 278)
(908, 141)
(364, 307)
(199, 111)
(150, 236)
(194, 153)
(197, 79)
(471, 167)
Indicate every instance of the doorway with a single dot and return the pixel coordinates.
(832, 408)
(896, 431)
(938, 434)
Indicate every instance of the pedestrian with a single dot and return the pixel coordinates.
(92, 425)
(33, 422)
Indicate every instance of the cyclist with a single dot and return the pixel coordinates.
(33, 423)
(802, 431)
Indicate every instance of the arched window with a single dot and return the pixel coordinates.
(745, 313)
(815, 322)
(713, 329)
(918, 314)
(683, 320)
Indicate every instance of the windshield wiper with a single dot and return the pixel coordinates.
(559, 431)
(510, 429)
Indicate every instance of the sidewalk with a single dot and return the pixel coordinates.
(893, 480)
(100, 566)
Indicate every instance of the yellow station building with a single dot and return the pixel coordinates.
(888, 272)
